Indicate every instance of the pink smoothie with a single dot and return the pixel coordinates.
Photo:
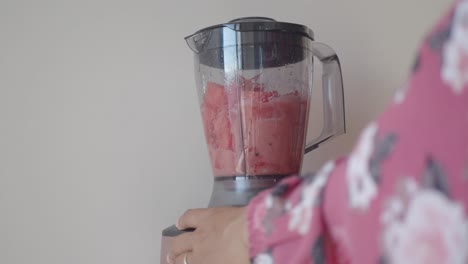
(270, 140)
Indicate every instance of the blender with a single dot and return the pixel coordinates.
(254, 81)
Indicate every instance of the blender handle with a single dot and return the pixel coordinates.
(334, 123)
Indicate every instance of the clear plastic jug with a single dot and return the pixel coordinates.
(254, 78)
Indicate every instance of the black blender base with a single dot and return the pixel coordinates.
(172, 231)
(239, 190)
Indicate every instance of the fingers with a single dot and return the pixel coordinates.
(192, 218)
(181, 244)
(186, 258)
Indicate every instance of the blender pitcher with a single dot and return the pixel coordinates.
(254, 78)
(254, 81)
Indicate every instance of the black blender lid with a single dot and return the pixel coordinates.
(257, 23)
(260, 42)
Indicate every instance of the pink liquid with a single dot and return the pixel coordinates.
(261, 135)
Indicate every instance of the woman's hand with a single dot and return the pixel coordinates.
(220, 236)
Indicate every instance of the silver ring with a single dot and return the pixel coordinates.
(185, 259)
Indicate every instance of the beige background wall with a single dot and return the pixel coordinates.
(101, 143)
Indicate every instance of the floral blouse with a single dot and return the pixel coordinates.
(402, 194)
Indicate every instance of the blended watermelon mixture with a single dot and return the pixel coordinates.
(263, 134)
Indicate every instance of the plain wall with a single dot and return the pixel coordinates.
(101, 143)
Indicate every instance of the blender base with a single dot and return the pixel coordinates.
(238, 190)
(227, 191)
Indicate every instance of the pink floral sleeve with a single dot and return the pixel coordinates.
(402, 194)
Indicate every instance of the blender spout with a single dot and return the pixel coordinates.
(191, 44)
(197, 42)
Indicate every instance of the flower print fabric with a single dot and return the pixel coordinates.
(363, 167)
(362, 188)
(455, 65)
(408, 236)
(264, 258)
(302, 213)
(402, 194)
